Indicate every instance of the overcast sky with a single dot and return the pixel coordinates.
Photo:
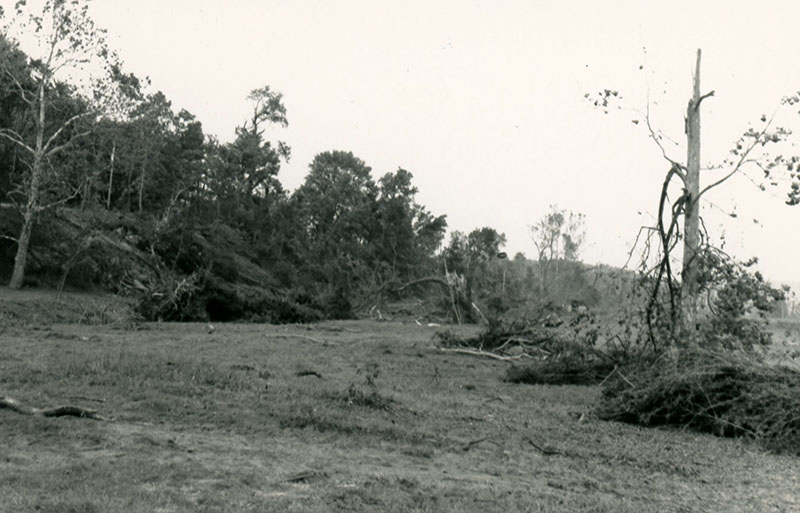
(484, 101)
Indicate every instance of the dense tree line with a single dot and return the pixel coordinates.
(199, 207)
(103, 184)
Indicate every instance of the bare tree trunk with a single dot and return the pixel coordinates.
(691, 226)
(32, 203)
(141, 186)
(21, 258)
(111, 174)
(28, 220)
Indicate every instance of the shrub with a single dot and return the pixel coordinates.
(738, 301)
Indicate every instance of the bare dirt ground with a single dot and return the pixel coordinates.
(345, 416)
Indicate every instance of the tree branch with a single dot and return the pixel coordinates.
(636, 242)
(23, 94)
(72, 196)
(697, 105)
(477, 352)
(14, 137)
(742, 161)
(60, 130)
(678, 167)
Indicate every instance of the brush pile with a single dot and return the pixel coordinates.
(724, 393)
(541, 354)
(571, 365)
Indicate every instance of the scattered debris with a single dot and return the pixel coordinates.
(303, 373)
(477, 352)
(305, 476)
(292, 335)
(547, 451)
(473, 443)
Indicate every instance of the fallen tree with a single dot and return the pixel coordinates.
(59, 411)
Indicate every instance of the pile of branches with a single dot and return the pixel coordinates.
(723, 393)
(572, 365)
(513, 341)
(541, 354)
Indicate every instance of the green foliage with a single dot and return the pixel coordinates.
(732, 308)
(738, 300)
(212, 217)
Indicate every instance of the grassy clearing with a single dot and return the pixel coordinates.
(356, 416)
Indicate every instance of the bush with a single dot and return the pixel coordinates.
(740, 301)
(727, 394)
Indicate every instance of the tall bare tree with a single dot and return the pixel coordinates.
(65, 42)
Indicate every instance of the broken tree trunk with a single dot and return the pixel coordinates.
(691, 224)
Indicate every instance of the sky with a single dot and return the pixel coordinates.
(483, 101)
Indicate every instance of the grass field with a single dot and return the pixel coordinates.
(345, 416)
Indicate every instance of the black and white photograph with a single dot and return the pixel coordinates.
(420, 256)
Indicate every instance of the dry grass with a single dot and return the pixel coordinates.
(356, 416)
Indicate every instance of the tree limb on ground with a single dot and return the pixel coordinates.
(478, 352)
(59, 411)
(289, 335)
(429, 279)
(473, 443)
(547, 451)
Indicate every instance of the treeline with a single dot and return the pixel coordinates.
(116, 190)
(213, 211)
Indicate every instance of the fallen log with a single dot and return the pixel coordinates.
(59, 411)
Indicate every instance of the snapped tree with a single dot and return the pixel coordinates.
(749, 151)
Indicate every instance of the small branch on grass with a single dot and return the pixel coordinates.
(59, 411)
(621, 375)
(487, 354)
(304, 476)
(303, 373)
(290, 335)
(469, 445)
(84, 398)
(547, 451)
(609, 375)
